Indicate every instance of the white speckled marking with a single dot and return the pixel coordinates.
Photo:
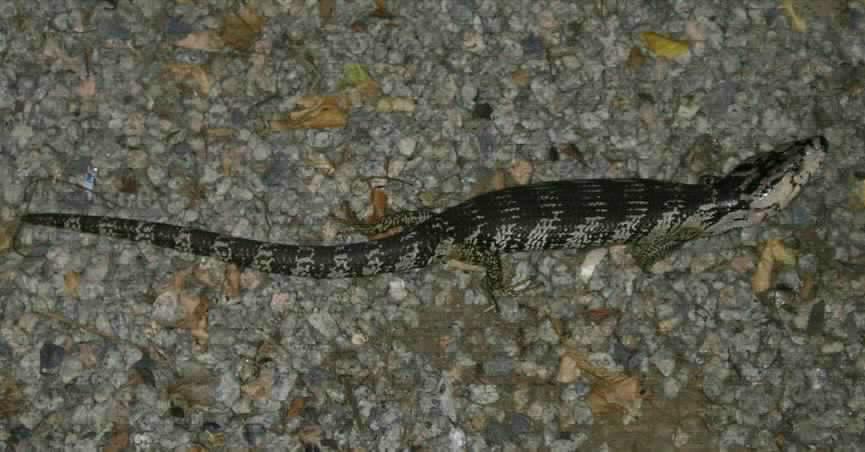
(183, 241)
(263, 259)
(539, 236)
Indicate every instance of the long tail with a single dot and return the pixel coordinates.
(396, 253)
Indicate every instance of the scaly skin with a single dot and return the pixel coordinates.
(655, 217)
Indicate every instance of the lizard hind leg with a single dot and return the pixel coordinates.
(475, 258)
(656, 247)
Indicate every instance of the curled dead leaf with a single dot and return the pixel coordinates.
(239, 31)
(619, 394)
(71, 283)
(316, 112)
(193, 75)
(202, 40)
(773, 252)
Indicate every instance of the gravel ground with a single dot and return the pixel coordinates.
(749, 340)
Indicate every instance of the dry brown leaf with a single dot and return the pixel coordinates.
(239, 31)
(583, 363)
(71, 283)
(378, 200)
(520, 77)
(600, 314)
(194, 391)
(326, 8)
(663, 46)
(193, 75)
(87, 87)
(664, 327)
(316, 112)
(55, 53)
(208, 275)
(358, 26)
(762, 279)
(11, 397)
(179, 279)
(521, 171)
(781, 253)
(261, 388)
(363, 91)
(119, 438)
(809, 287)
(7, 234)
(88, 355)
(500, 179)
(202, 40)
(569, 369)
(195, 308)
(635, 59)
(231, 286)
(220, 133)
(857, 200)
(798, 24)
(231, 161)
(381, 11)
(615, 395)
(310, 435)
(773, 251)
(126, 183)
(295, 408)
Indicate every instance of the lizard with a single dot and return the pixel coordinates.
(653, 217)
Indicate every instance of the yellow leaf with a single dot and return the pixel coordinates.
(663, 46)
(354, 73)
(391, 104)
(796, 21)
(781, 253)
(773, 252)
(71, 283)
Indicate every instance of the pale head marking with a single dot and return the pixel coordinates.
(767, 182)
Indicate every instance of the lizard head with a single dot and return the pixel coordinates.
(766, 183)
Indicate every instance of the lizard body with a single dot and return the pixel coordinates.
(654, 217)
